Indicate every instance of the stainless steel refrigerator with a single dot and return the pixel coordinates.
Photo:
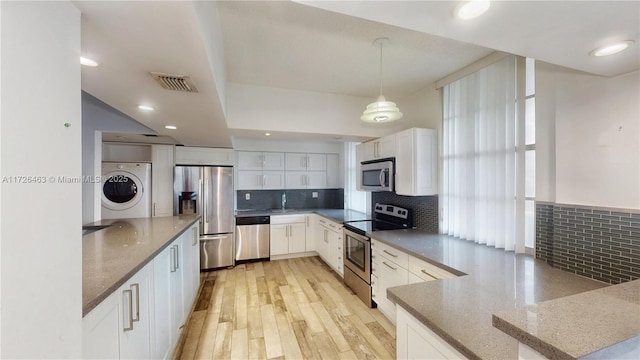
(208, 192)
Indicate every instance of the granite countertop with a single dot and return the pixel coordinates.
(580, 326)
(337, 215)
(112, 255)
(460, 309)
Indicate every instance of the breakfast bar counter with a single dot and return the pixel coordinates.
(460, 309)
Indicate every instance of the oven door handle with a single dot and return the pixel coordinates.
(355, 236)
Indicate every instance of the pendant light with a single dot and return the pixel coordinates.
(381, 110)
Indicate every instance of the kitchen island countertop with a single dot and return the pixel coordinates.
(112, 255)
(460, 309)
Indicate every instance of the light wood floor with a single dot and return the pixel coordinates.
(284, 309)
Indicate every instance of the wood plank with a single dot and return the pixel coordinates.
(305, 340)
(386, 323)
(370, 337)
(207, 337)
(252, 287)
(331, 328)
(190, 344)
(291, 303)
(239, 344)
(259, 269)
(254, 325)
(273, 345)
(326, 347)
(240, 304)
(387, 341)
(290, 347)
(222, 346)
(311, 319)
(347, 355)
(337, 299)
(228, 304)
(356, 340)
(204, 299)
(257, 349)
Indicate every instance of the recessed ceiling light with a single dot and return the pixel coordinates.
(471, 9)
(145, 107)
(267, 134)
(88, 62)
(170, 127)
(612, 48)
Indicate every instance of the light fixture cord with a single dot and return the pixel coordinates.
(381, 68)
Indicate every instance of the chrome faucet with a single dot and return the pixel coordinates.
(284, 200)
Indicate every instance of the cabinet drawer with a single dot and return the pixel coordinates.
(330, 224)
(427, 271)
(398, 257)
(288, 219)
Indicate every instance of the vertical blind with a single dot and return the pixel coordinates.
(479, 156)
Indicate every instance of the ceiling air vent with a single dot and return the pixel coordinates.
(175, 82)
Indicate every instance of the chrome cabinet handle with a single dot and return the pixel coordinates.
(389, 266)
(426, 273)
(172, 260)
(394, 255)
(128, 296)
(136, 287)
(154, 209)
(177, 257)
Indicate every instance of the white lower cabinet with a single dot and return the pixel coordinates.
(119, 328)
(391, 267)
(329, 244)
(310, 232)
(143, 319)
(288, 234)
(416, 341)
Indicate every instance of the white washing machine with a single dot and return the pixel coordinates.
(126, 190)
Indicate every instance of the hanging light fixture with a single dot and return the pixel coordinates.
(381, 110)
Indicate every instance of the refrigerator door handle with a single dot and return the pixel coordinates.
(205, 213)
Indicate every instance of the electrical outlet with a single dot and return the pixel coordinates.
(314, 194)
(247, 196)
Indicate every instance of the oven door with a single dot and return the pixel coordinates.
(357, 255)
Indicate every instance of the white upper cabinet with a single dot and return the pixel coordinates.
(310, 162)
(416, 162)
(333, 172)
(260, 170)
(384, 147)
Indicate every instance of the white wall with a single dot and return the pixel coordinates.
(275, 109)
(41, 255)
(596, 125)
(598, 142)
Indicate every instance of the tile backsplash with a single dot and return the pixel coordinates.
(296, 199)
(425, 208)
(599, 243)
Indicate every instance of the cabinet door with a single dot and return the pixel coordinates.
(333, 171)
(273, 161)
(249, 180)
(316, 179)
(316, 162)
(134, 316)
(273, 179)
(191, 265)
(297, 238)
(389, 275)
(176, 285)
(296, 180)
(161, 324)
(386, 147)
(162, 180)
(250, 160)
(279, 239)
(335, 252)
(310, 232)
(416, 162)
(100, 330)
(322, 242)
(295, 162)
(370, 150)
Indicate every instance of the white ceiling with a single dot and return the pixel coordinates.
(289, 45)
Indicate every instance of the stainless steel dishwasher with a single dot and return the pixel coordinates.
(252, 238)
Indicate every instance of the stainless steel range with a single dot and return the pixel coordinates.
(357, 246)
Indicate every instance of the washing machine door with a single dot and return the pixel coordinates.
(121, 190)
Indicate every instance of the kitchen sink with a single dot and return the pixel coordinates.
(88, 229)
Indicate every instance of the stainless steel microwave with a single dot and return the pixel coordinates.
(378, 175)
